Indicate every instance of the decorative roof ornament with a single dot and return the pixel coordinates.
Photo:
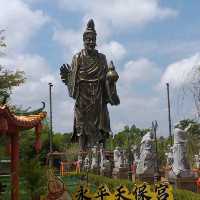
(32, 112)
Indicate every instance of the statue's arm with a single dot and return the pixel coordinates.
(110, 82)
(188, 127)
(66, 73)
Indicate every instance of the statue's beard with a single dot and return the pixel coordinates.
(90, 47)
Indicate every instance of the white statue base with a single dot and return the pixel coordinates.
(106, 172)
(120, 173)
(186, 183)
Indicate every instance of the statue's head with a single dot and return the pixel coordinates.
(117, 148)
(178, 125)
(94, 148)
(89, 36)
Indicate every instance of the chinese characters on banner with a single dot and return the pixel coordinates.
(161, 191)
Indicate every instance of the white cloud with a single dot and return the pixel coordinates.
(113, 50)
(34, 66)
(135, 107)
(116, 16)
(110, 17)
(139, 70)
(181, 73)
(36, 89)
(20, 23)
(119, 13)
(70, 41)
(183, 77)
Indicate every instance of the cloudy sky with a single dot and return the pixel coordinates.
(150, 41)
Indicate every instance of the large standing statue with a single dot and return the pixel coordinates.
(93, 85)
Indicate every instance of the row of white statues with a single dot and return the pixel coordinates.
(145, 162)
(95, 161)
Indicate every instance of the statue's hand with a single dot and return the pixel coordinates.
(65, 71)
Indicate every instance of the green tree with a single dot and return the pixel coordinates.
(35, 176)
(162, 149)
(8, 78)
(128, 136)
(192, 137)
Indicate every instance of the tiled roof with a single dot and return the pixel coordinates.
(22, 122)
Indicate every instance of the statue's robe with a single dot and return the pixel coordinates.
(146, 162)
(88, 88)
(180, 162)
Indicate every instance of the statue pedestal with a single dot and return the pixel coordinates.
(145, 178)
(106, 172)
(188, 183)
(120, 173)
(95, 170)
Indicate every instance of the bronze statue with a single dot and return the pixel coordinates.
(93, 85)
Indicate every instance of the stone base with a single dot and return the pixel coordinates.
(145, 178)
(106, 172)
(120, 173)
(95, 171)
(184, 183)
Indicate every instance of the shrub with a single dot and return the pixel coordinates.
(35, 177)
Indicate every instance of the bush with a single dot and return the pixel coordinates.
(185, 195)
(35, 177)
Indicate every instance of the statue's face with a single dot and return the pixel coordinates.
(90, 41)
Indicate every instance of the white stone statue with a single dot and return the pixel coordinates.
(197, 161)
(94, 163)
(145, 164)
(118, 162)
(169, 155)
(104, 163)
(124, 159)
(180, 165)
(87, 163)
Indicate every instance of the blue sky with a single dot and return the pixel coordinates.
(151, 42)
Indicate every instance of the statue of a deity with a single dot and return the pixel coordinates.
(180, 165)
(93, 85)
(146, 161)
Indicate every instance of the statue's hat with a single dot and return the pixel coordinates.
(90, 27)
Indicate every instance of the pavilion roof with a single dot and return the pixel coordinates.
(22, 122)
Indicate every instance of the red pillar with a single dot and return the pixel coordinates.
(15, 165)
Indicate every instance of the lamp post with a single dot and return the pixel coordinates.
(130, 160)
(169, 114)
(50, 132)
(156, 174)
